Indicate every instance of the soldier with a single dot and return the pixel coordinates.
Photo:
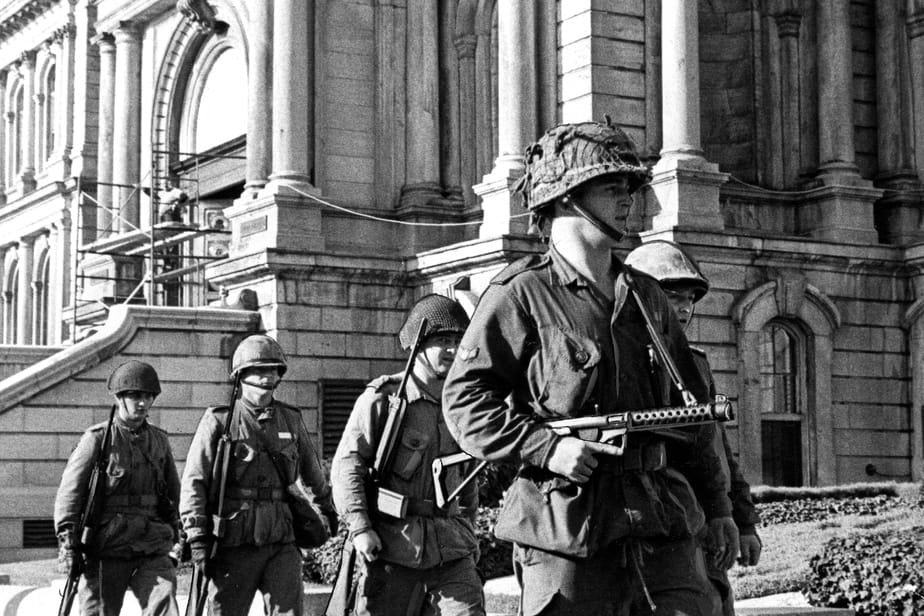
(684, 284)
(257, 549)
(425, 562)
(562, 335)
(136, 539)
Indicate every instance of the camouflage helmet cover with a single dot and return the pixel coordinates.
(444, 316)
(134, 375)
(258, 350)
(569, 155)
(668, 263)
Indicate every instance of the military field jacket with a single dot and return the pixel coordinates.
(255, 508)
(418, 541)
(543, 343)
(141, 491)
(739, 491)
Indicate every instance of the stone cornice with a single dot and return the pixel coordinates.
(123, 323)
(16, 15)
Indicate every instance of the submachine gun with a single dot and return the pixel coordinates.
(613, 428)
(89, 518)
(378, 498)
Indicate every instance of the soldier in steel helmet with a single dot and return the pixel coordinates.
(425, 561)
(257, 549)
(136, 539)
(685, 284)
(595, 530)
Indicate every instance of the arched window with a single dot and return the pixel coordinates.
(221, 113)
(10, 301)
(783, 409)
(49, 112)
(40, 322)
(17, 154)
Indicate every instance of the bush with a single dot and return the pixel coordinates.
(874, 574)
(772, 494)
(496, 560)
(820, 509)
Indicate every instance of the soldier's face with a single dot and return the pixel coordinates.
(258, 383)
(681, 298)
(134, 407)
(439, 352)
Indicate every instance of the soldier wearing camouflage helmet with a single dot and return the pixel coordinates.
(562, 335)
(136, 539)
(425, 561)
(257, 550)
(685, 284)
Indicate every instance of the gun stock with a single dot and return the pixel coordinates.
(343, 594)
(89, 517)
(387, 501)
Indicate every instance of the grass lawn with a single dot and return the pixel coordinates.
(784, 562)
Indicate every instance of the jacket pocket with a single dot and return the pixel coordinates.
(550, 514)
(567, 370)
(410, 453)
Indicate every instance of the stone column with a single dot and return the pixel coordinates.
(9, 147)
(841, 207)
(516, 121)
(4, 147)
(788, 28)
(835, 102)
(422, 166)
(259, 96)
(897, 212)
(64, 50)
(104, 190)
(24, 292)
(293, 92)
(915, 29)
(468, 159)
(27, 122)
(685, 186)
(126, 139)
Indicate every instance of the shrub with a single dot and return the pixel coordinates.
(321, 563)
(824, 508)
(772, 494)
(874, 574)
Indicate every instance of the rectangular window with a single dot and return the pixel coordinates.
(39, 533)
(337, 397)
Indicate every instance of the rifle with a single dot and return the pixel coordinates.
(388, 502)
(199, 580)
(86, 525)
(612, 428)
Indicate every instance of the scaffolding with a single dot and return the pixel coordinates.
(160, 262)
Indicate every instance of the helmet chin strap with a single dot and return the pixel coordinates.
(596, 221)
(261, 385)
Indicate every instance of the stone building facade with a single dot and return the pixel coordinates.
(363, 152)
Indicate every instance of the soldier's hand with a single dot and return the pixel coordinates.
(576, 459)
(199, 550)
(750, 550)
(368, 544)
(70, 560)
(723, 535)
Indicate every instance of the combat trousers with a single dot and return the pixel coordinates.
(237, 573)
(450, 589)
(617, 581)
(723, 589)
(151, 578)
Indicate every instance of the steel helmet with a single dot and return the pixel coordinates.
(444, 316)
(668, 263)
(133, 375)
(258, 350)
(568, 155)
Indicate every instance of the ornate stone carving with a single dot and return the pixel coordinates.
(199, 12)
